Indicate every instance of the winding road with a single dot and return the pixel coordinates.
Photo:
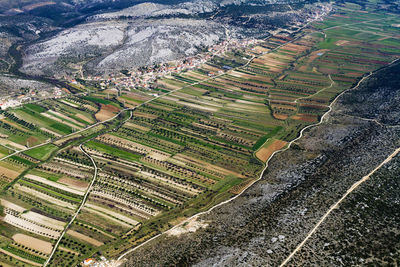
(79, 208)
(222, 203)
(122, 256)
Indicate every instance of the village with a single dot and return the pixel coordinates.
(30, 96)
(143, 77)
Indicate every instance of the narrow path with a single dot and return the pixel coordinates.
(336, 205)
(319, 91)
(85, 196)
(79, 208)
(371, 120)
(10, 148)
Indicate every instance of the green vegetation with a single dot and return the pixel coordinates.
(35, 108)
(97, 100)
(21, 160)
(264, 138)
(42, 152)
(181, 154)
(113, 151)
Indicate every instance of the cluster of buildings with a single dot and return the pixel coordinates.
(100, 262)
(143, 77)
(29, 97)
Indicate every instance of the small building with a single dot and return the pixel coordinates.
(88, 262)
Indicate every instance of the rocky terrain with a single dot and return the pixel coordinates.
(151, 33)
(10, 85)
(67, 37)
(120, 45)
(266, 223)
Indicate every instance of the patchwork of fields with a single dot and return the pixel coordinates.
(201, 141)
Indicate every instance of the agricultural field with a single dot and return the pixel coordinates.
(129, 175)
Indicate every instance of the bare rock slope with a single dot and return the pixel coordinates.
(150, 33)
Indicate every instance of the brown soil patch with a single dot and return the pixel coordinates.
(328, 71)
(340, 16)
(34, 243)
(210, 68)
(316, 54)
(8, 174)
(279, 97)
(280, 116)
(81, 185)
(85, 238)
(264, 153)
(138, 96)
(354, 74)
(294, 47)
(106, 112)
(305, 117)
(284, 107)
(14, 124)
(384, 38)
(302, 68)
(83, 117)
(32, 141)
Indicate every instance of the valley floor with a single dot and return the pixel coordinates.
(93, 175)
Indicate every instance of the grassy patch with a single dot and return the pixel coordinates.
(113, 151)
(42, 152)
(264, 138)
(35, 108)
(49, 176)
(97, 100)
(21, 160)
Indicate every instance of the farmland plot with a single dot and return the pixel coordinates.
(181, 153)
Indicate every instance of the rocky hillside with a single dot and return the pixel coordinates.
(150, 33)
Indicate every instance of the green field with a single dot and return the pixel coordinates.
(42, 152)
(181, 153)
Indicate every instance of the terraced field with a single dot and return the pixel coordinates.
(101, 173)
